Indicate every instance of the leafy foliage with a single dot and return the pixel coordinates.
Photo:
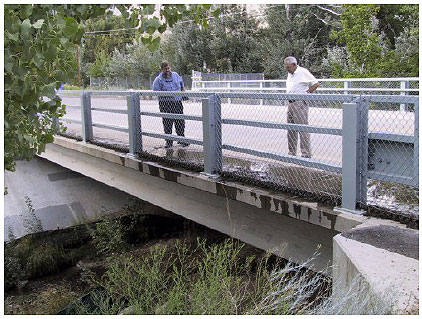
(369, 36)
(296, 30)
(39, 54)
(228, 44)
(138, 61)
(40, 47)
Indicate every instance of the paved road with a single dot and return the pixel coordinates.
(326, 148)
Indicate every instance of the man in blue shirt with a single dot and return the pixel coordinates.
(170, 81)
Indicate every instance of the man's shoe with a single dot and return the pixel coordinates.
(184, 144)
(306, 156)
(292, 154)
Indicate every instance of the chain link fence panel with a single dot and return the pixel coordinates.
(183, 125)
(267, 161)
(72, 120)
(393, 154)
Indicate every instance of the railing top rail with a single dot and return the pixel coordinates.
(319, 89)
(321, 80)
(271, 96)
(140, 92)
(392, 98)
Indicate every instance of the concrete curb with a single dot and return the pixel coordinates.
(371, 254)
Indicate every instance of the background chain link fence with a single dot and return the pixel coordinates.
(253, 128)
(127, 83)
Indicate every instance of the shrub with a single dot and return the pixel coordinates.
(108, 236)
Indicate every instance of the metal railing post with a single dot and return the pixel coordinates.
(261, 101)
(351, 157)
(211, 124)
(416, 146)
(134, 121)
(403, 86)
(347, 85)
(86, 116)
(55, 124)
(229, 86)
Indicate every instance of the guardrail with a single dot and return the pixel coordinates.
(355, 140)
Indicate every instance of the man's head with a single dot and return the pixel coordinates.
(165, 68)
(290, 64)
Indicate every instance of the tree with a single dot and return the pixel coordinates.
(99, 43)
(39, 54)
(300, 31)
(138, 61)
(39, 48)
(228, 44)
(374, 38)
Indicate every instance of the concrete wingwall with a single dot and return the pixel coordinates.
(270, 220)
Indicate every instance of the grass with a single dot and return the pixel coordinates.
(184, 277)
(218, 279)
(49, 301)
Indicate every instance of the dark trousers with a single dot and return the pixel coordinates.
(175, 107)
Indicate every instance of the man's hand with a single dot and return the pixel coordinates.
(312, 88)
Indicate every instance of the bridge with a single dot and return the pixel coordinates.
(236, 175)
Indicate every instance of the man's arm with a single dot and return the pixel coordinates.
(156, 85)
(313, 87)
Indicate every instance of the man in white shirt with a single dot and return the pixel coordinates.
(299, 80)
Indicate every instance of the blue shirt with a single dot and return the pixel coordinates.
(171, 83)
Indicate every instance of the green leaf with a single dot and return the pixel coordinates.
(49, 138)
(61, 23)
(64, 40)
(216, 13)
(38, 59)
(49, 90)
(71, 27)
(38, 24)
(154, 44)
(12, 36)
(29, 138)
(162, 28)
(8, 62)
(70, 47)
(26, 28)
(51, 52)
(145, 40)
(150, 29)
(25, 11)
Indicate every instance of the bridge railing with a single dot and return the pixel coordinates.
(364, 148)
(388, 86)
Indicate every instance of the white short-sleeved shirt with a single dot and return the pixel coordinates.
(299, 81)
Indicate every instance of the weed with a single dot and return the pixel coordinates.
(216, 279)
(49, 301)
(13, 271)
(31, 222)
(25, 259)
(108, 235)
